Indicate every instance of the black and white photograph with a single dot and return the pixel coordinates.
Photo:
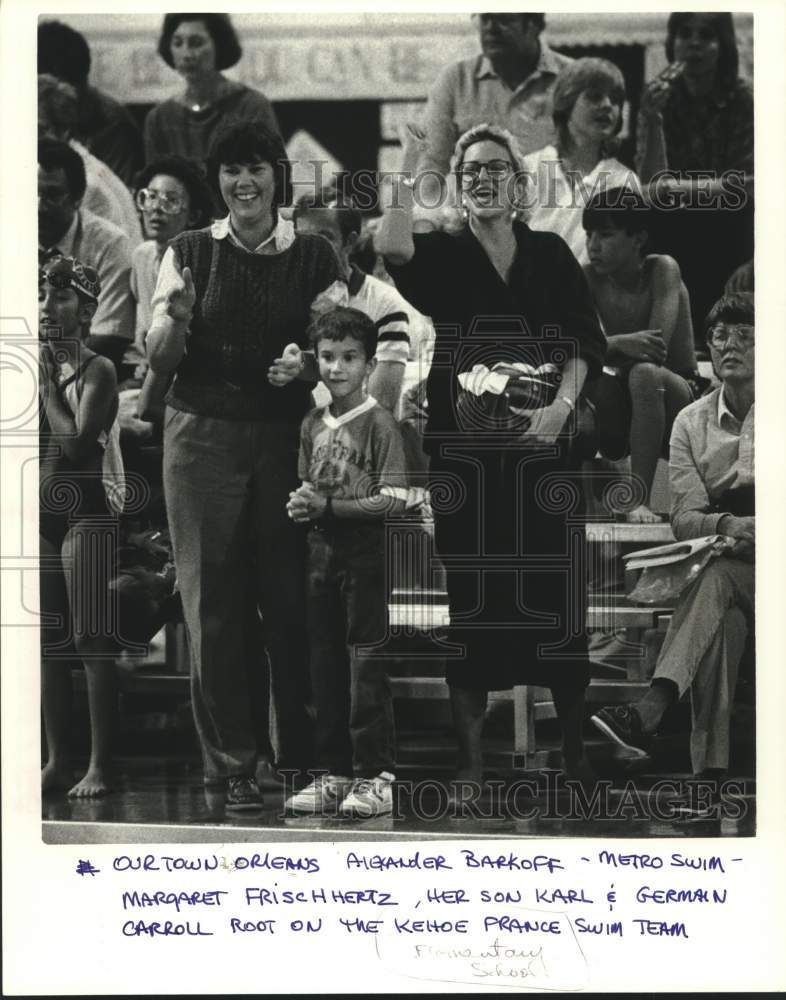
(387, 421)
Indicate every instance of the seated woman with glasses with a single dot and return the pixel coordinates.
(503, 498)
(172, 196)
(712, 485)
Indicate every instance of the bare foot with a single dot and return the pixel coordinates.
(642, 515)
(94, 785)
(56, 777)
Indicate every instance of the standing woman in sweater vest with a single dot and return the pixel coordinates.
(230, 313)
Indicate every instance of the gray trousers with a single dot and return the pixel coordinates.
(226, 485)
(702, 651)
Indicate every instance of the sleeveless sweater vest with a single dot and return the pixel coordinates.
(248, 308)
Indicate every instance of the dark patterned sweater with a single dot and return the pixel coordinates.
(249, 307)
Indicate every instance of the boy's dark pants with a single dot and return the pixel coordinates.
(347, 610)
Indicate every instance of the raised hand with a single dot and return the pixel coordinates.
(46, 367)
(287, 367)
(656, 93)
(413, 141)
(182, 299)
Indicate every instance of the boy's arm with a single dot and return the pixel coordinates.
(666, 281)
(306, 504)
(651, 345)
(389, 496)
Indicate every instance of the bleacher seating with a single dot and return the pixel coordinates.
(418, 613)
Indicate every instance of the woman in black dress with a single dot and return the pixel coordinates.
(507, 507)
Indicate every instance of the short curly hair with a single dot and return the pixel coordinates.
(220, 29)
(343, 322)
(492, 133)
(190, 175)
(251, 142)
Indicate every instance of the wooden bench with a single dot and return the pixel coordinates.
(424, 611)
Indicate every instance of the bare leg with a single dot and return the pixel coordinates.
(657, 395)
(102, 701)
(56, 687)
(87, 570)
(468, 712)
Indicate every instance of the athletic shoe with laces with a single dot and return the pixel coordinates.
(243, 793)
(622, 724)
(369, 797)
(323, 795)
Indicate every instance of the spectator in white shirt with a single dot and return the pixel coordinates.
(66, 229)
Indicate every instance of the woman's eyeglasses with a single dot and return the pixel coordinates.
(147, 200)
(470, 170)
(720, 335)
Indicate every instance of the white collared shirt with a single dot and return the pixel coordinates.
(107, 196)
(711, 451)
(282, 237)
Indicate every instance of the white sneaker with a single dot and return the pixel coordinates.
(369, 797)
(322, 795)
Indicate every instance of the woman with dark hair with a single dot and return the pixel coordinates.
(698, 114)
(587, 112)
(507, 509)
(230, 313)
(199, 47)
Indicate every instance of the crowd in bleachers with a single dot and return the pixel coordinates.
(284, 377)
